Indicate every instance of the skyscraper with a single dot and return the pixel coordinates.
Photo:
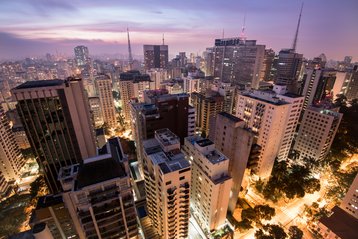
(56, 118)
(98, 194)
(351, 91)
(131, 85)
(167, 185)
(316, 133)
(317, 84)
(211, 183)
(206, 105)
(238, 61)
(273, 119)
(350, 202)
(235, 141)
(161, 110)
(288, 68)
(155, 56)
(11, 160)
(81, 56)
(104, 91)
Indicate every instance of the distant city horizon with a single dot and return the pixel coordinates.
(59, 27)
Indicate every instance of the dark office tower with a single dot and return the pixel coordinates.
(56, 118)
(155, 56)
(288, 69)
(207, 106)
(161, 110)
(81, 56)
(238, 61)
(317, 85)
(265, 73)
(352, 88)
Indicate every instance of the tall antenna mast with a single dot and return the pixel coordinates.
(223, 33)
(130, 58)
(294, 44)
(242, 34)
(163, 40)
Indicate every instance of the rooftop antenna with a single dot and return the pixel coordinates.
(130, 58)
(223, 33)
(242, 34)
(294, 44)
(163, 40)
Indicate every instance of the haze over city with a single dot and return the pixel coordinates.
(33, 28)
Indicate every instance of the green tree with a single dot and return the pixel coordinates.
(295, 233)
(270, 231)
(36, 185)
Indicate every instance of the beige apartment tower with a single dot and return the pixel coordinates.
(167, 185)
(104, 92)
(211, 183)
(235, 141)
(273, 117)
(316, 133)
(11, 160)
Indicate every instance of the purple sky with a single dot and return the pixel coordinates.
(35, 27)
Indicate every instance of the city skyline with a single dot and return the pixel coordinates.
(60, 26)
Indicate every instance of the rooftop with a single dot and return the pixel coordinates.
(135, 76)
(39, 83)
(166, 137)
(206, 148)
(48, 201)
(99, 171)
(170, 161)
(341, 223)
(230, 117)
(267, 96)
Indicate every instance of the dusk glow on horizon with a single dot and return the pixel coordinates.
(33, 28)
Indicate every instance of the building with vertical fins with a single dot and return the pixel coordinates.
(167, 184)
(211, 183)
(56, 118)
(104, 92)
(98, 194)
(11, 160)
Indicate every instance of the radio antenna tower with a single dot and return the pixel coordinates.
(294, 44)
(130, 58)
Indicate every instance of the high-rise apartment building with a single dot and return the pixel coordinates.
(211, 183)
(155, 56)
(350, 201)
(238, 61)
(167, 185)
(56, 118)
(132, 84)
(235, 141)
(273, 117)
(104, 92)
(288, 68)
(316, 133)
(11, 160)
(228, 92)
(4, 187)
(317, 84)
(81, 56)
(161, 110)
(51, 210)
(98, 194)
(352, 89)
(206, 105)
(96, 111)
